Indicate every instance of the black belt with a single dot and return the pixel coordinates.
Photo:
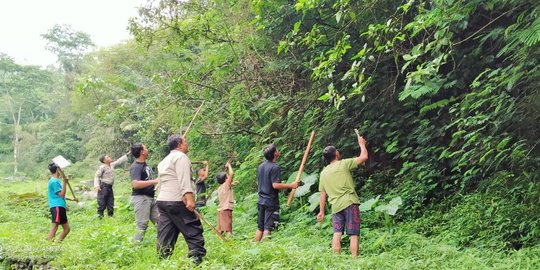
(106, 185)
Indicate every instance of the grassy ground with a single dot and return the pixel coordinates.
(299, 244)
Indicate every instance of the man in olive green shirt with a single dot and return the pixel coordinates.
(336, 182)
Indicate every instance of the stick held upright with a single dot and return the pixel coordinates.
(306, 153)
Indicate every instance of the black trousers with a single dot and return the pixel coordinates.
(105, 199)
(175, 218)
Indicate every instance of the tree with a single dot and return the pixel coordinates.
(68, 45)
(25, 93)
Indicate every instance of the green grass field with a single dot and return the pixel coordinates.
(300, 243)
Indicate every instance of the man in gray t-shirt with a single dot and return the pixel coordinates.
(142, 195)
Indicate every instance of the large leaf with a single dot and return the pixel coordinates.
(293, 177)
(390, 208)
(213, 199)
(367, 205)
(308, 182)
(381, 208)
(397, 201)
(314, 201)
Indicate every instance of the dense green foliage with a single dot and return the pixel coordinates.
(445, 92)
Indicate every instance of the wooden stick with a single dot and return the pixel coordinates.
(357, 133)
(197, 162)
(72, 193)
(69, 185)
(306, 153)
(193, 119)
(182, 119)
(209, 225)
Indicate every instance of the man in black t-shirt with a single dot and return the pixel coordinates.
(269, 184)
(142, 194)
(200, 186)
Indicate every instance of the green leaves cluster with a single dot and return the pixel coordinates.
(443, 91)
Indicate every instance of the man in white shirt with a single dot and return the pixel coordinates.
(176, 203)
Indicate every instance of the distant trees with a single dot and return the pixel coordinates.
(27, 97)
(68, 45)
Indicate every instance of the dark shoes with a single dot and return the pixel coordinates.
(197, 260)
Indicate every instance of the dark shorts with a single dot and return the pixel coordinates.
(268, 219)
(349, 218)
(58, 215)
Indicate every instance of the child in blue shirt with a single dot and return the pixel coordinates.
(56, 195)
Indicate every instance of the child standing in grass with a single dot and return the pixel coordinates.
(226, 200)
(56, 194)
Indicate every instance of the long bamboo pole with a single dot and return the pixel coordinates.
(156, 187)
(193, 119)
(306, 153)
(209, 225)
(197, 162)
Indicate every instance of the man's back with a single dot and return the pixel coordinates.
(336, 180)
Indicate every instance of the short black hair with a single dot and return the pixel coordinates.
(102, 158)
(53, 167)
(136, 149)
(270, 152)
(329, 154)
(174, 140)
(221, 177)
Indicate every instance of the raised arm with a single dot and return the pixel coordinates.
(363, 157)
(121, 160)
(205, 169)
(230, 175)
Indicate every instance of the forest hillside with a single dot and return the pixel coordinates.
(445, 92)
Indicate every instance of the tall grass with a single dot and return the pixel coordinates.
(299, 244)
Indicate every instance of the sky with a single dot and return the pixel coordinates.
(22, 22)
